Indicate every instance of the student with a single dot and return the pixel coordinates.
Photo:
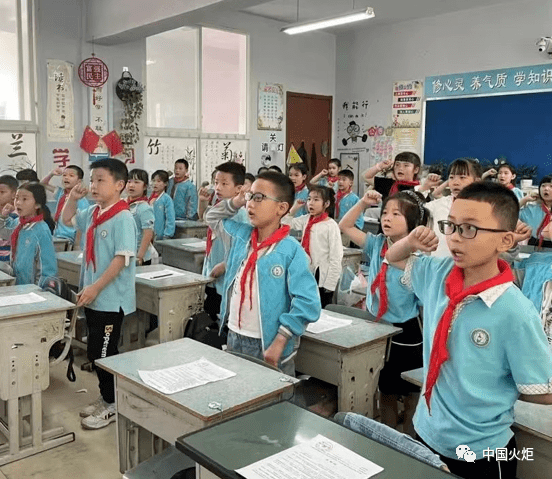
(108, 274)
(535, 212)
(33, 256)
(298, 175)
(262, 169)
(8, 187)
(182, 190)
(71, 176)
(275, 168)
(328, 177)
(142, 212)
(320, 238)
(462, 172)
(269, 292)
(229, 179)
(249, 179)
(507, 177)
(345, 198)
(400, 214)
(484, 346)
(25, 176)
(163, 206)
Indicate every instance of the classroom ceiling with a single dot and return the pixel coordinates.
(387, 11)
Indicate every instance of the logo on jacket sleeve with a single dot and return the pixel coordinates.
(277, 270)
(480, 337)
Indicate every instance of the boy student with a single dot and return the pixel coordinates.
(8, 188)
(229, 180)
(269, 293)
(109, 268)
(183, 192)
(345, 199)
(484, 345)
(71, 176)
(25, 176)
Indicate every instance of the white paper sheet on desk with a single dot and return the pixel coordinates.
(319, 458)
(15, 299)
(199, 245)
(161, 274)
(327, 323)
(186, 376)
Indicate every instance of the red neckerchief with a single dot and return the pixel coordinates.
(15, 234)
(209, 242)
(544, 223)
(249, 269)
(135, 200)
(97, 220)
(153, 197)
(395, 188)
(305, 242)
(299, 188)
(332, 179)
(454, 288)
(338, 197)
(510, 186)
(379, 282)
(60, 205)
(176, 181)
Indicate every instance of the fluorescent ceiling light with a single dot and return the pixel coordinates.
(349, 17)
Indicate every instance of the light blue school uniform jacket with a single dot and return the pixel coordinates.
(519, 194)
(219, 248)
(302, 195)
(288, 293)
(185, 199)
(324, 182)
(35, 257)
(532, 215)
(143, 215)
(402, 303)
(497, 351)
(163, 210)
(62, 230)
(115, 237)
(346, 203)
(537, 271)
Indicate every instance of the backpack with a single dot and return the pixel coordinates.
(202, 328)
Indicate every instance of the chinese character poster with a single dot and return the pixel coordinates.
(60, 117)
(270, 107)
(407, 104)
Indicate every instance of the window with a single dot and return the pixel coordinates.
(16, 86)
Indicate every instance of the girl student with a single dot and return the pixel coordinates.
(163, 206)
(297, 173)
(320, 238)
(400, 214)
(33, 256)
(142, 212)
(506, 176)
(535, 212)
(328, 177)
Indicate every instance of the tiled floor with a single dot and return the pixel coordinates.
(93, 454)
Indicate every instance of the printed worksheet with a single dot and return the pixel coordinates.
(327, 322)
(15, 299)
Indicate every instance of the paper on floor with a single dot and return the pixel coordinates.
(327, 323)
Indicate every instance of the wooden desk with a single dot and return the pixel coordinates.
(181, 254)
(350, 358)
(533, 429)
(62, 244)
(145, 416)
(190, 229)
(69, 266)
(242, 441)
(6, 279)
(351, 257)
(27, 333)
(172, 299)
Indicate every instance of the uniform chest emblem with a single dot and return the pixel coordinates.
(103, 234)
(480, 337)
(277, 271)
(27, 241)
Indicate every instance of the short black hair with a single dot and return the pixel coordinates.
(327, 194)
(275, 168)
(9, 181)
(235, 169)
(301, 167)
(284, 186)
(261, 169)
(140, 175)
(116, 168)
(335, 161)
(184, 162)
(250, 177)
(161, 174)
(347, 174)
(409, 157)
(465, 166)
(78, 169)
(27, 174)
(503, 201)
(545, 179)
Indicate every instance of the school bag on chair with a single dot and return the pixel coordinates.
(202, 328)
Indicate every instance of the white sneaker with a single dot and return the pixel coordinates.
(89, 410)
(102, 417)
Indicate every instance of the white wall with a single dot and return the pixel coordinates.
(499, 36)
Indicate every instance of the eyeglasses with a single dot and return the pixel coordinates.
(258, 197)
(465, 230)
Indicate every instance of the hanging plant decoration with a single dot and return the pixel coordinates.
(131, 93)
(93, 72)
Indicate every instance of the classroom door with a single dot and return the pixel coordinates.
(309, 121)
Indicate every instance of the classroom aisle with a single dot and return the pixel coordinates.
(93, 454)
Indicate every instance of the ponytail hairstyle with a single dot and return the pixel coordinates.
(140, 175)
(327, 194)
(411, 205)
(39, 194)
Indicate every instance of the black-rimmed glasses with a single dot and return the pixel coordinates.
(465, 230)
(258, 197)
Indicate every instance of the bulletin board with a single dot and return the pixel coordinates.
(213, 152)
(160, 153)
(515, 126)
(17, 152)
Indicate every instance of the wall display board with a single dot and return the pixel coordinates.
(270, 114)
(160, 153)
(213, 152)
(17, 152)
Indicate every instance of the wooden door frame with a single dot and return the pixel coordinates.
(316, 97)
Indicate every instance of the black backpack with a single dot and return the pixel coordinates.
(202, 328)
